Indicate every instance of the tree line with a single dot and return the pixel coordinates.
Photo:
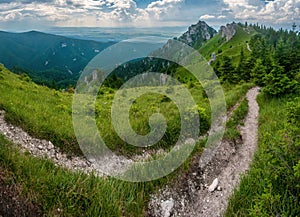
(274, 62)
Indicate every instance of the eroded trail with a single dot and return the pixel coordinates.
(191, 196)
(42, 148)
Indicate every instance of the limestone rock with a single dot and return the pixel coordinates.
(167, 207)
(228, 31)
(197, 34)
(213, 185)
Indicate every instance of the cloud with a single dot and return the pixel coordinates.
(276, 11)
(152, 12)
(90, 12)
(207, 17)
(221, 17)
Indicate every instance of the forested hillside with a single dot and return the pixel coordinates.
(55, 61)
(273, 63)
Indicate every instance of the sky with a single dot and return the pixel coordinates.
(40, 14)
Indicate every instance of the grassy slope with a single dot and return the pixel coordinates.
(46, 113)
(73, 194)
(39, 110)
(271, 187)
(231, 48)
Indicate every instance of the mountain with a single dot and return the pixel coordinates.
(229, 41)
(46, 57)
(197, 34)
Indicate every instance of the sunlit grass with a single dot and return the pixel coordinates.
(47, 114)
(271, 187)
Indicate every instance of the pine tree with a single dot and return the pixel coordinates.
(242, 70)
(278, 83)
(227, 70)
(258, 73)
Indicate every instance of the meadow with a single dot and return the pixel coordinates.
(47, 114)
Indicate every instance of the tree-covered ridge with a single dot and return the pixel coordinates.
(48, 59)
(274, 62)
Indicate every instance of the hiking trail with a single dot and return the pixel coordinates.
(205, 191)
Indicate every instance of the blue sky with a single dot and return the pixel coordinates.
(40, 14)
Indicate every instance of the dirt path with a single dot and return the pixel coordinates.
(191, 196)
(42, 148)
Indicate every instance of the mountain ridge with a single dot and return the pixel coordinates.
(46, 57)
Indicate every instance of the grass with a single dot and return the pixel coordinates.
(59, 192)
(40, 111)
(231, 48)
(46, 114)
(232, 133)
(140, 112)
(74, 194)
(211, 46)
(234, 93)
(271, 187)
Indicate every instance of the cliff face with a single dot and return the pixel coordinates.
(228, 31)
(197, 34)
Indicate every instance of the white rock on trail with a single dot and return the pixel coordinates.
(213, 185)
(167, 207)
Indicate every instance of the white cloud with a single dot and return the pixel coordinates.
(221, 17)
(156, 13)
(91, 12)
(162, 9)
(277, 11)
(207, 17)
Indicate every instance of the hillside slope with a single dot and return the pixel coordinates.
(45, 57)
(228, 42)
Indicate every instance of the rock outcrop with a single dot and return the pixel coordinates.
(228, 31)
(197, 34)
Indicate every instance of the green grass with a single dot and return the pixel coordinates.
(140, 112)
(74, 194)
(211, 46)
(40, 111)
(46, 114)
(231, 48)
(239, 114)
(271, 187)
(233, 93)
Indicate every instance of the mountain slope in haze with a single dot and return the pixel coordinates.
(196, 36)
(45, 57)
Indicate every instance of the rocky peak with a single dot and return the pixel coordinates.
(197, 34)
(228, 31)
